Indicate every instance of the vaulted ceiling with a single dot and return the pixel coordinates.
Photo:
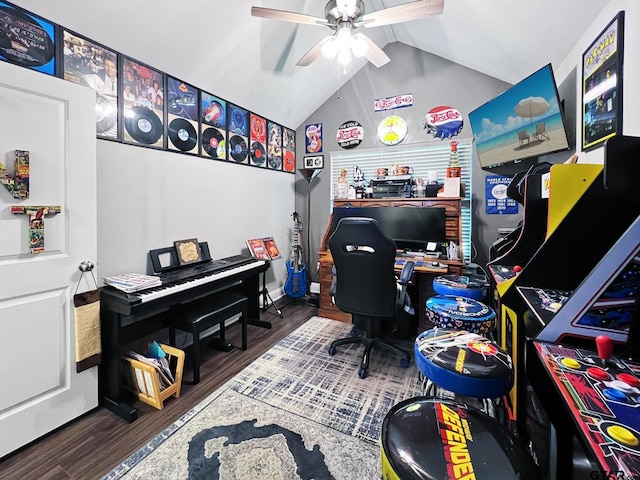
(219, 47)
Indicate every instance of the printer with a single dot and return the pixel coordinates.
(391, 186)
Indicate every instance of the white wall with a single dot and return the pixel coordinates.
(148, 198)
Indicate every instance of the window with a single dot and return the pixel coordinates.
(423, 158)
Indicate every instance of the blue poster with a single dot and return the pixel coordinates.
(497, 201)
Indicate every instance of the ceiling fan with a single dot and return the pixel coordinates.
(345, 16)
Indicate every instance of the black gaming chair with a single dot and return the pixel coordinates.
(366, 285)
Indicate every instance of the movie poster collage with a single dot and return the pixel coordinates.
(139, 105)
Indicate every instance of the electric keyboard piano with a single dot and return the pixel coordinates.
(127, 317)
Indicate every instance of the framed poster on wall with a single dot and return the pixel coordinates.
(213, 123)
(143, 110)
(602, 85)
(27, 40)
(288, 150)
(182, 116)
(90, 64)
(274, 145)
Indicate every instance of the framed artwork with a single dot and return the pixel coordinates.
(602, 85)
(314, 162)
(258, 248)
(258, 139)
(182, 116)
(238, 134)
(188, 251)
(288, 150)
(143, 100)
(213, 124)
(272, 248)
(27, 40)
(90, 64)
(274, 146)
(313, 138)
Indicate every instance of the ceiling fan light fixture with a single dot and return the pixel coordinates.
(359, 46)
(330, 48)
(344, 57)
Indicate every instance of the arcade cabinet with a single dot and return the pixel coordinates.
(582, 283)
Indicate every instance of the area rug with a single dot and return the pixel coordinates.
(295, 413)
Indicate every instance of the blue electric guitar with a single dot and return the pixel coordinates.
(296, 284)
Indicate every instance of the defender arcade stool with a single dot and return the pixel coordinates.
(426, 438)
(465, 364)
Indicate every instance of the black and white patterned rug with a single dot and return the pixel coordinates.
(295, 413)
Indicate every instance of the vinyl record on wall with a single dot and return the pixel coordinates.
(258, 154)
(214, 144)
(182, 134)
(289, 163)
(238, 148)
(143, 125)
(106, 116)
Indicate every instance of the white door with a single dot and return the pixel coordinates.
(55, 121)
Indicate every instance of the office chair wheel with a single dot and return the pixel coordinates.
(332, 350)
(362, 373)
(404, 363)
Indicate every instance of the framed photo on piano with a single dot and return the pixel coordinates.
(188, 251)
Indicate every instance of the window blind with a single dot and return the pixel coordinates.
(423, 158)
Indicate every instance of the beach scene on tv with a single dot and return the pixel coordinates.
(525, 121)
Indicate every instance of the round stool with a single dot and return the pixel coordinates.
(450, 311)
(463, 363)
(460, 286)
(426, 438)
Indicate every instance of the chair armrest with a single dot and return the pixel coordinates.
(407, 272)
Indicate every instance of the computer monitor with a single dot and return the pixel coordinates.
(410, 227)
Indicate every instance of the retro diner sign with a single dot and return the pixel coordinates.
(389, 103)
(350, 134)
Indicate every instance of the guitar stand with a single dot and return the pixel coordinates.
(266, 296)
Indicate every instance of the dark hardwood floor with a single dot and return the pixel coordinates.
(90, 446)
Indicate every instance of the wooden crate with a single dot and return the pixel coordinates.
(142, 378)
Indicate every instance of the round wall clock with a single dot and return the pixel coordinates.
(392, 130)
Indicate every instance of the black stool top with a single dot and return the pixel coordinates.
(428, 438)
(210, 306)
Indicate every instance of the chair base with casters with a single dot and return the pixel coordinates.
(425, 438)
(370, 341)
(464, 363)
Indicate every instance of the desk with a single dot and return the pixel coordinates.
(423, 275)
(422, 282)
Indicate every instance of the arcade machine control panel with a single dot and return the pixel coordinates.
(602, 395)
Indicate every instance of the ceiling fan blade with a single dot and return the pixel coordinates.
(374, 54)
(403, 13)
(313, 53)
(286, 16)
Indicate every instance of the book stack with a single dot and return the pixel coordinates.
(133, 282)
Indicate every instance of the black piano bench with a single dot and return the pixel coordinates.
(198, 316)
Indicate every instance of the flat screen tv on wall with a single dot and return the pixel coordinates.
(523, 122)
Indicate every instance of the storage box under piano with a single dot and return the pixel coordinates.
(151, 387)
